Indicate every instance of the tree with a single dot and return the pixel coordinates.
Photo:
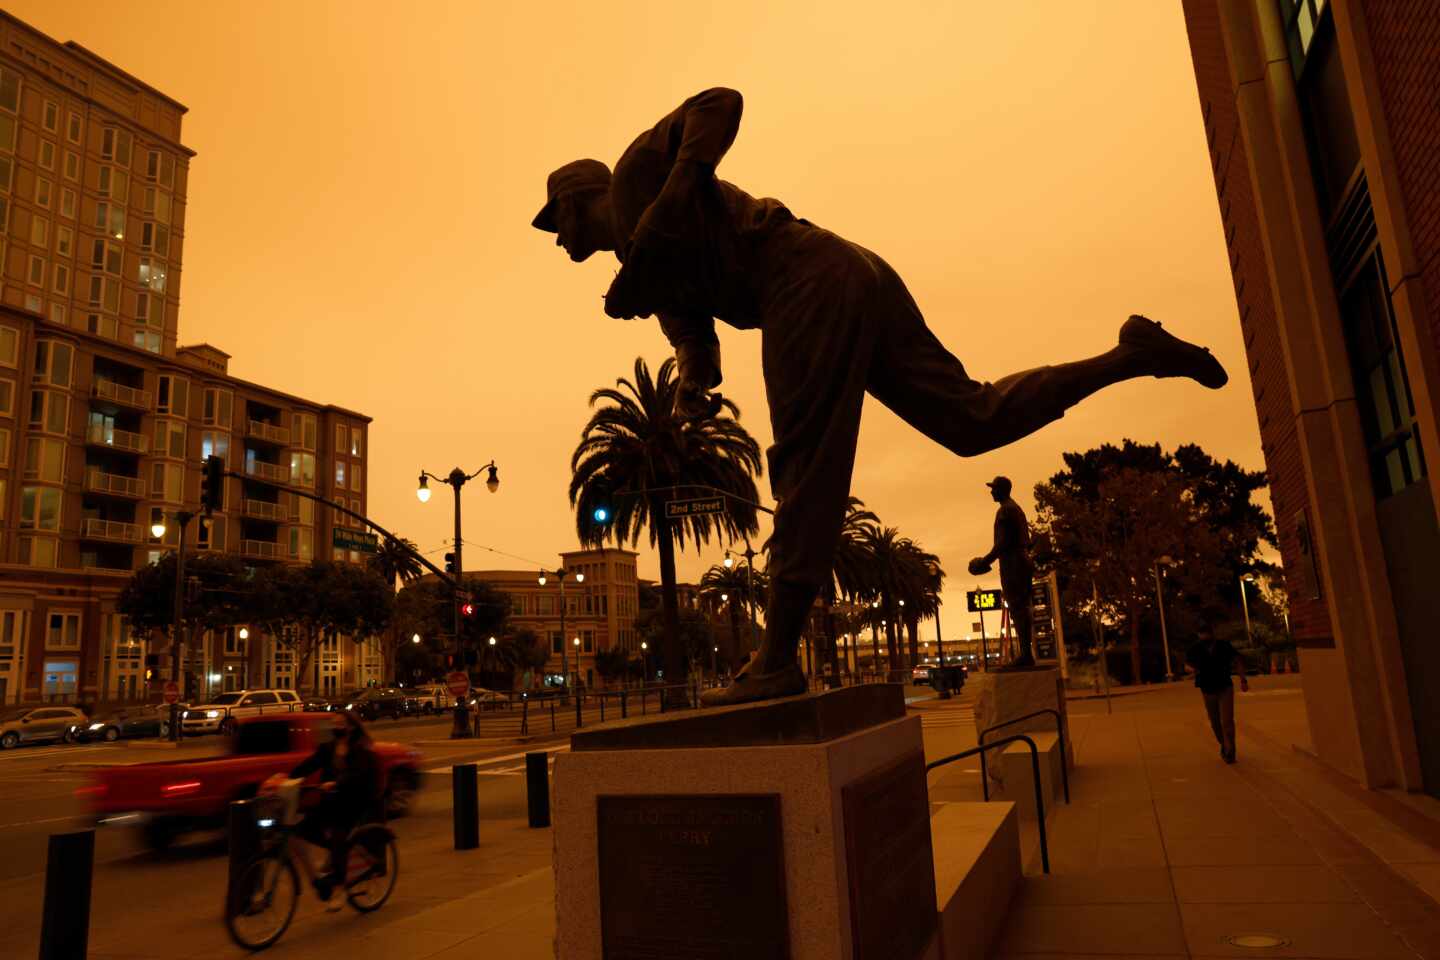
(1114, 513)
(425, 607)
(301, 606)
(396, 559)
(894, 576)
(728, 589)
(634, 442)
(612, 663)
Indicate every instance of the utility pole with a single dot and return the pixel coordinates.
(183, 518)
(1164, 634)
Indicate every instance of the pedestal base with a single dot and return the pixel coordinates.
(814, 846)
(1002, 696)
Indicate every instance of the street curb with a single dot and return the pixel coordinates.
(78, 767)
(151, 745)
(1149, 688)
(483, 740)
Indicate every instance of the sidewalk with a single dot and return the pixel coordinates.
(1167, 852)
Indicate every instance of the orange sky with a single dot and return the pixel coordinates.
(358, 223)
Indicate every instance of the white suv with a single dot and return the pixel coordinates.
(222, 712)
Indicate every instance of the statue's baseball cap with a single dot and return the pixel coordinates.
(1001, 484)
(578, 175)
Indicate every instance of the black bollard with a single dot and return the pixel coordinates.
(242, 838)
(65, 922)
(537, 788)
(578, 721)
(466, 784)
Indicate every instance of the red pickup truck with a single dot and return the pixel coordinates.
(170, 797)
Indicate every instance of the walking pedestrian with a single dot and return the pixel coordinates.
(1212, 661)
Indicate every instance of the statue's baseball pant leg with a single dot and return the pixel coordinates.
(1017, 586)
(817, 345)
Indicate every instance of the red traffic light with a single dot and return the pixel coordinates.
(467, 609)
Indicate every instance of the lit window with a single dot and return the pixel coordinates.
(215, 444)
(340, 475)
(355, 441)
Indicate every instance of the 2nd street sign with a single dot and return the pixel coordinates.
(343, 538)
(675, 509)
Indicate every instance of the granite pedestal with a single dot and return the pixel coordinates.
(1004, 695)
(796, 828)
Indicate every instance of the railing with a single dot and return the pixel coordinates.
(95, 529)
(1034, 767)
(273, 472)
(102, 482)
(107, 436)
(1059, 732)
(264, 510)
(260, 548)
(267, 431)
(106, 389)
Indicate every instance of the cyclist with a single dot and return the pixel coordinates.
(350, 776)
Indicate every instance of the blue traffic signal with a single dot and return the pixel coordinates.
(601, 514)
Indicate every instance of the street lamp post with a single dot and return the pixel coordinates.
(157, 528)
(1160, 603)
(644, 662)
(1245, 606)
(564, 640)
(750, 595)
(456, 479)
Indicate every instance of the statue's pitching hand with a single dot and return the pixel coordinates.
(979, 567)
(694, 402)
(623, 300)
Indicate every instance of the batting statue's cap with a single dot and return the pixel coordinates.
(1000, 484)
(578, 175)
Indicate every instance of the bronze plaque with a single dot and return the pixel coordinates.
(891, 868)
(693, 877)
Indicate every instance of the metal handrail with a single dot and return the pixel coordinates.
(1059, 732)
(1035, 766)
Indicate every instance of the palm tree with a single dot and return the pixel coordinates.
(890, 579)
(850, 571)
(920, 590)
(728, 588)
(395, 559)
(635, 453)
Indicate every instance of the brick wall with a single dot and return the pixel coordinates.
(1405, 35)
(1269, 382)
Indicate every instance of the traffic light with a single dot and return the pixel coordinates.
(467, 608)
(601, 515)
(450, 563)
(212, 485)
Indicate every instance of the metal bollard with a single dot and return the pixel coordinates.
(466, 787)
(537, 788)
(65, 920)
(578, 722)
(525, 717)
(623, 712)
(242, 839)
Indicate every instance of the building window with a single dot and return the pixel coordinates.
(64, 242)
(10, 91)
(4, 458)
(7, 170)
(9, 346)
(152, 274)
(173, 395)
(355, 476)
(341, 436)
(355, 442)
(44, 190)
(63, 631)
(49, 411)
(115, 145)
(38, 551)
(110, 219)
(167, 482)
(8, 129)
(302, 469)
(72, 166)
(211, 533)
(45, 459)
(105, 255)
(113, 184)
(47, 155)
(103, 326)
(7, 398)
(302, 433)
(340, 475)
(36, 272)
(169, 439)
(52, 363)
(40, 508)
(218, 404)
(156, 237)
(67, 203)
(39, 232)
(213, 443)
(147, 340)
(302, 543)
(57, 313)
(160, 168)
(74, 129)
(49, 114)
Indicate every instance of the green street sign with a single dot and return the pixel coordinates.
(343, 538)
(675, 509)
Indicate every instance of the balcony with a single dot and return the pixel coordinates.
(273, 472)
(114, 438)
(104, 389)
(267, 432)
(260, 548)
(99, 481)
(115, 530)
(261, 510)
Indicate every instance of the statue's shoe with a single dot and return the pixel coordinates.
(750, 686)
(1170, 356)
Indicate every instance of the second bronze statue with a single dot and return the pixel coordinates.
(836, 323)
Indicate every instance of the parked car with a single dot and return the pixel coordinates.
(372, 703)
(432, 698)
(220, 714)
(487, 699)
(168, 798)
(920, 674)
(314, 704)
(39, 725)
(148, 720)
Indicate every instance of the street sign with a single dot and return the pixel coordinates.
(171, 692)
(344, 538)
(676, 509)
(458, 683)
(978, 601)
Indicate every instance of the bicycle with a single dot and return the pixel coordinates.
(263, 895)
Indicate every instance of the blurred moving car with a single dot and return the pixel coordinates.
(146, 720)
(372, 703)
(167, 798)
(39, 725)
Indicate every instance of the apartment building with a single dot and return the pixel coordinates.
(105, 420)
(1323, 130)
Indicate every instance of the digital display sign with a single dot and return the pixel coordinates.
(978, 601)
